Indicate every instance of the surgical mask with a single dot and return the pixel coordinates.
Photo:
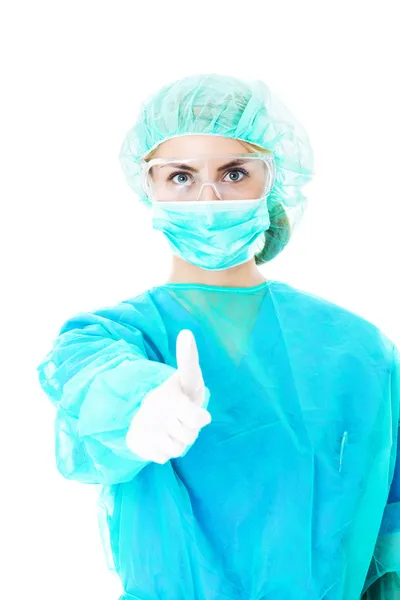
(213, 235)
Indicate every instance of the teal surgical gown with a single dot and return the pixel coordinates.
(292, 492)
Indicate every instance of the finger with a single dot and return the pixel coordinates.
(178, 432)
(170, 447)
(198, 395)
(192, 416)
(156, 454)
(159, 457)
(187, 358)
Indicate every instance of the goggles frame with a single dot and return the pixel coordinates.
(146, 165)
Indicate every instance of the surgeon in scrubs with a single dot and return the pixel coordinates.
(244, 432)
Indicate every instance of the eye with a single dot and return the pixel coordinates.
(180, 177)
(236, 175)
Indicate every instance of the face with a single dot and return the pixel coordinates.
(197, 164)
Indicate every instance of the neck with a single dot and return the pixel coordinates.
(244, 275)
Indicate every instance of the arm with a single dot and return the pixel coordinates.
(383, 580)
(99, 370)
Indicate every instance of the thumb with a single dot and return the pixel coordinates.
(189, 372)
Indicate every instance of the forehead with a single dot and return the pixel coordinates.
(198, 145)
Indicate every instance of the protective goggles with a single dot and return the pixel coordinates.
(213, 177)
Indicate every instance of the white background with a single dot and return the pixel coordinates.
(73, 238)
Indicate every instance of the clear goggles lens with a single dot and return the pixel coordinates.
(217, 177)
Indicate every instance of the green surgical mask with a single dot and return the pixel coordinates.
(213, 235)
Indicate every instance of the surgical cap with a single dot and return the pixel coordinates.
(226, 106)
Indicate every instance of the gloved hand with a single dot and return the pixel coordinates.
(171, 416)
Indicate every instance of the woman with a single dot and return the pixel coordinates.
(245, 432)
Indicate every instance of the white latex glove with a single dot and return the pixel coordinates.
(171, 416)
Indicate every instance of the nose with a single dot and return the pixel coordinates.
(208, 192)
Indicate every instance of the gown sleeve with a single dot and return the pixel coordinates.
(101, 366)
(383, 580)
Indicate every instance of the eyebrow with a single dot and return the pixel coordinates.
(232, 163)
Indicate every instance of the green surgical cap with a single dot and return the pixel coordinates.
(246, 110)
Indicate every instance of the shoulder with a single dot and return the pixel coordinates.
(314, 305)
(135, 312)
(332, 323)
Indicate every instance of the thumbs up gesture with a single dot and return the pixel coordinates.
(171, 416)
